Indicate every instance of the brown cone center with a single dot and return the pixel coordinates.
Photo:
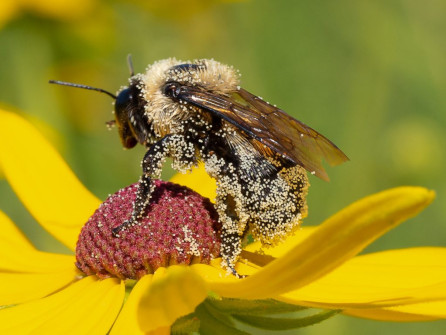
(180, 227)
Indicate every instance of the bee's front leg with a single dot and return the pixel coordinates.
(152, 164)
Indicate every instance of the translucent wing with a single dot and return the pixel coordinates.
(270, 127)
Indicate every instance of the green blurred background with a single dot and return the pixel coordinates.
(370, 75)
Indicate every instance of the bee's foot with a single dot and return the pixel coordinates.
(121, 227)
(235, 273)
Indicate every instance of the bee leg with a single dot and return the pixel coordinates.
(230, 249)
(231, 244)
(151, 165)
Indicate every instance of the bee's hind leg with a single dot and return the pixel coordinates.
(230, 250)
(231, 241)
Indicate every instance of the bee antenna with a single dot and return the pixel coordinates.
(130, 65)
(58, 82)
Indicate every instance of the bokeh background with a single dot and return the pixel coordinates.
(370, 75)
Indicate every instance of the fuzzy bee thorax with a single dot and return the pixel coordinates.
(165, 115)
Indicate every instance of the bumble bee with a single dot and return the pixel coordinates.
(196, 112)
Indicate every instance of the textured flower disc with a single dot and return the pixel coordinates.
(180, 227)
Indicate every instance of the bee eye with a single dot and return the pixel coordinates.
(123, 99)
(171, 89)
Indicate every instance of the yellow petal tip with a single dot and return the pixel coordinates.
(174, 292)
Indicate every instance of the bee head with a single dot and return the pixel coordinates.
(124, 104)
(128, 107)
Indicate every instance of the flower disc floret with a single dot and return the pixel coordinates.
(180, 227)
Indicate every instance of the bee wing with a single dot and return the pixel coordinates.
(270, 126)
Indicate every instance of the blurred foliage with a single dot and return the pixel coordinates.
(370, 75)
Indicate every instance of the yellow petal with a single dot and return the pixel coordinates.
(338, 239)
(389, 278)
(173, 293)
(33, 262)
(61, 9)
(127, 322)
(43, 181)
(213, 273)
(282, 248)
(87, 307)
(12, 237)
(435, 309)
(417, 312)
(26, 273)
(259, 254)
(198, 180)
(8, 11)
(16, 288)
(17, 254)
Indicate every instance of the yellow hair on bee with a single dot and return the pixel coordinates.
(166, 115)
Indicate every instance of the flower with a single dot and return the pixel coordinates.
(318, 267)
(67, 10)
(62, 10)
(181, 227)
(179, 10)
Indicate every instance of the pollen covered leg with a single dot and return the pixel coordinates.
(231, 247)
(234, 227)
(152, 165)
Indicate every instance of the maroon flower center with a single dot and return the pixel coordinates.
(180, 227)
